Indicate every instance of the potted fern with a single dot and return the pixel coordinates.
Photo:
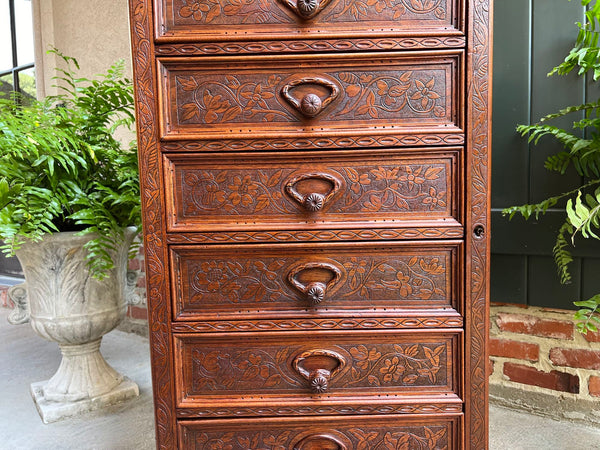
(70, 208)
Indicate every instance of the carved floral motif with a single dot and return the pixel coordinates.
(265, 368)
(240, 98)
(261, 279)
(241, 12)
(403, 188)
(362, 438)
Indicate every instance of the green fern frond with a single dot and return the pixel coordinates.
(562, 255)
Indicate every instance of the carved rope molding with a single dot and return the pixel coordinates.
(322, 235)
(237, 48)
(317, 324)
(478, 141)
(319, 410)
(311, 143)
(154, 242)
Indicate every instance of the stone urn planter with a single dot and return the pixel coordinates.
(68, 306)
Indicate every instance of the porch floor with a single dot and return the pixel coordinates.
(27, 358)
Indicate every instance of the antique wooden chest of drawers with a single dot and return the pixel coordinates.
(315, 179)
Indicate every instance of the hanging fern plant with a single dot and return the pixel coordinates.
(582, 210)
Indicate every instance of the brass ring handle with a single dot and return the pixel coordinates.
(315, 291)
(306, 9)
(318, 378)
(313, 201)
(311, 104)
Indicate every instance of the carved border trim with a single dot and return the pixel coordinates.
(478, 116)
(310, 143)
(154, 226)
(320, 410)
(320, 235)
(318, 324)
(238, 48)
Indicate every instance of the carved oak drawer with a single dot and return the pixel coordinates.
(300, 190)
(333, 433)
(317, 280)
(281, 97)
(317, 369)
(226, 20)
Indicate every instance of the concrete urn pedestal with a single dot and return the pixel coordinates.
(66, 305)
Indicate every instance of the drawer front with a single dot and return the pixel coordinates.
(306, 190)
(333, 433)
(384, 93)
(206, 20)
(273, 281)
(309, 368)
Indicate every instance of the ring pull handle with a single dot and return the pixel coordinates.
(315, 289)
(313, 201)
(305, 9)
(318, 367)
(311, 104)
(321, 441)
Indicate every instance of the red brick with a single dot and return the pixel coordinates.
(514, 349)
(137, 312)
(535, 326)
(594, 386)
(141, 282)
(4, 300)
(134, 264)
(555, 380)
(592, 336)
(579, 358)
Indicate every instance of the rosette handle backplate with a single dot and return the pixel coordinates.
(305, 9)
(307, 95)
(318, 367)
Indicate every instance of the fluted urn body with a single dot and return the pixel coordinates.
(69, 306)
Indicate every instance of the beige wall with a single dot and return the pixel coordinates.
(95, 32)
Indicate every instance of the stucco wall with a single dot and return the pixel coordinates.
(95, 32)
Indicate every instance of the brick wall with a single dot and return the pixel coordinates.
(137, 309)
(539, 361)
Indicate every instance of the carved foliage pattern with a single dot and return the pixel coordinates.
(362, 438)
(266, 368)
(478, 141)
(406, 188)
(260, 279)
(243, 12)
(154, 246)
(233, 99)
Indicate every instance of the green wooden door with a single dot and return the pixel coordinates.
(530, 38)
